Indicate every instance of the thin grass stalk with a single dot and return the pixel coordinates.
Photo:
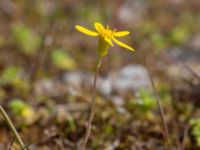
(185, 135)
(93, 106)
(161, 110)
(12, 127)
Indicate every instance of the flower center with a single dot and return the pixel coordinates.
(107, 33)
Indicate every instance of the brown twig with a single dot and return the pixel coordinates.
(93, 106)
(177, 136)
(191, 71)
(29, 144)
(161, 110)
(186, 128)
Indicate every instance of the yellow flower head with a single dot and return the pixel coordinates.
(106, 37)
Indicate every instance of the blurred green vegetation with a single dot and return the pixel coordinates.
(147, 100)
(39, 45)
(12, 76)
(21, 109)
(62, 60)
(196, 129)
(28, 40)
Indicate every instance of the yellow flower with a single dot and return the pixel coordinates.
(106, 37)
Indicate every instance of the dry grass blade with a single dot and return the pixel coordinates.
(160, 107)
(29, 144)
(12, 127)
(191, 71)
(186, 128)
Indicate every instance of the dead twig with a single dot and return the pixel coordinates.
(191, 71)
(186, 128)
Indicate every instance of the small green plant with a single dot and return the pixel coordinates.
(62, 60)
(195, 123)
(179, 34)
(106, 38)
(20, 108)
(12, 76)
(28, 40)
(147, 100)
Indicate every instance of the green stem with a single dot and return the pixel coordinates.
(93, 106)
(12, 127)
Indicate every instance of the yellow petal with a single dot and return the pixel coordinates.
(98, 26)
(122, 44)
(86, 31)
(121, 33)
(109, 41)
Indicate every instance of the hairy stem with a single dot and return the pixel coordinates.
(93, 105)
(12, 127)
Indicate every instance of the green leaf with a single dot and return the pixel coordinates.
(17, 106)
(62, 60)
(179, 34)
(158, 40)
(147, 100)
(9, 75)
(195, 123)
(72, 125)
(28, 41)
